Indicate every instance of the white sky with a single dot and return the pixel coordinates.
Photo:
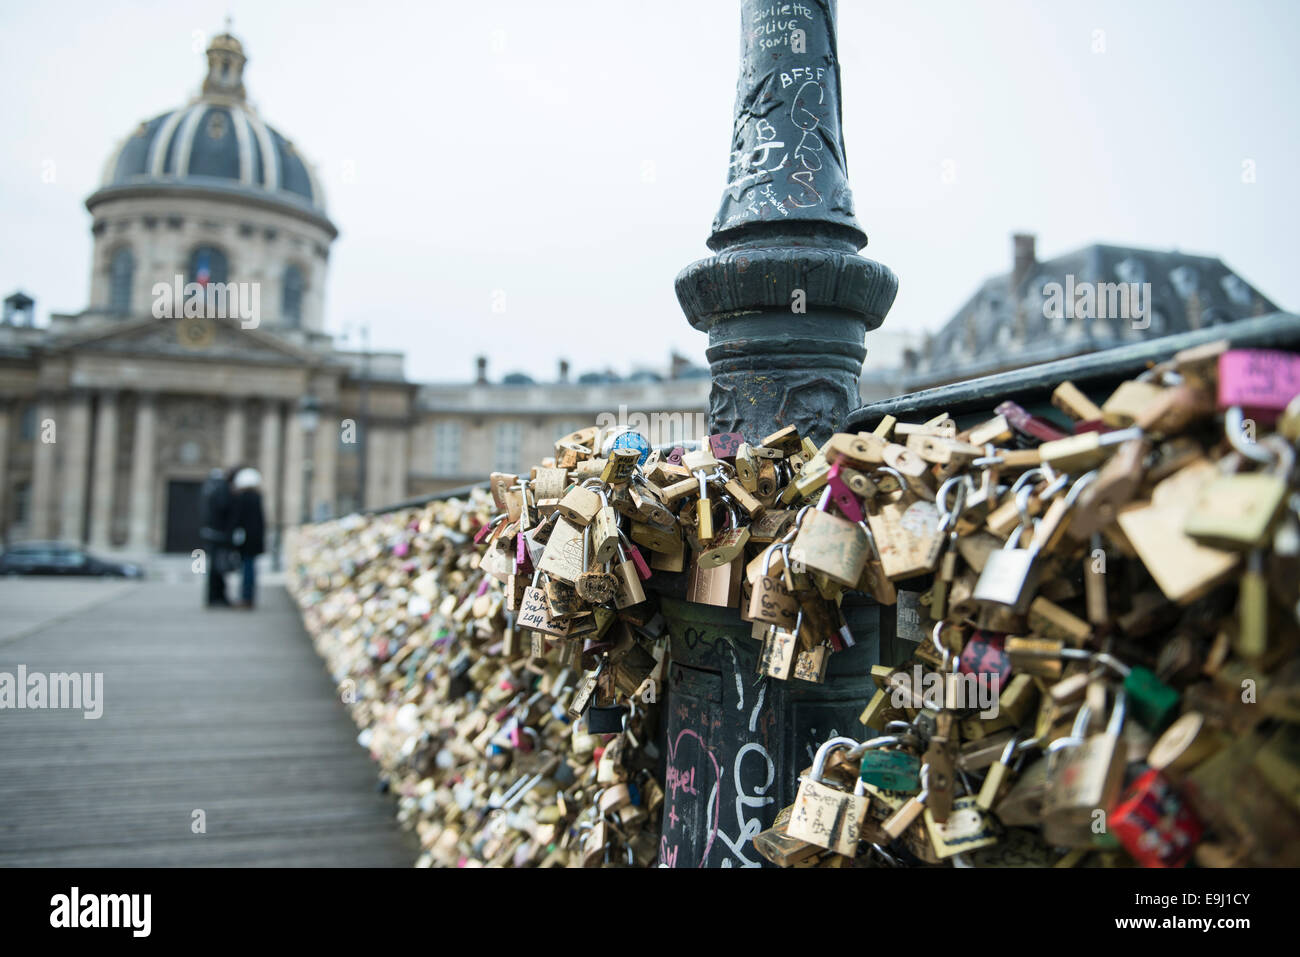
(572, 153)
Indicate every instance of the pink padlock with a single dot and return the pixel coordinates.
(843, 497)
(634, 553)
(1260, 381)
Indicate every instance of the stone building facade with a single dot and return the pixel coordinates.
(111, 418)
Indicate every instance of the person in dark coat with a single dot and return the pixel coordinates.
(249, 528)
(215, 504)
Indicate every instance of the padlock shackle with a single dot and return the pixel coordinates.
(1233, 427)
(819, 761)
(871, 744)
(949, 516)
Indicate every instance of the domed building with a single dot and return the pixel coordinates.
(202, 346)
(210, 187)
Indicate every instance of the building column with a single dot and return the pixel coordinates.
(232, 444)
(325, 465)
(397, 453)
(293, 464)
(376, 453)
(140, 518)
(105, 474)
(74, 437)
(43, 471)
(268, 460)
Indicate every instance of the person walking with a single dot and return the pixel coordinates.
(214, 505)
(248, 529)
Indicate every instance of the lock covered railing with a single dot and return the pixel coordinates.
(1100, 656)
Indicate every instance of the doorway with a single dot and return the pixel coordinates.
(183, 518)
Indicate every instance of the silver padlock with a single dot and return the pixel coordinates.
(1010, 576)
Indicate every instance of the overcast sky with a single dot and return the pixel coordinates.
(571, 154)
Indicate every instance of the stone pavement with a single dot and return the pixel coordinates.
(225, 712)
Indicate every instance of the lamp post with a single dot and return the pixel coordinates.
(309, 419)
(787, 303)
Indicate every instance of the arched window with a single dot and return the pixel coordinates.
(291, 297)
(121, 274)
(208, 264)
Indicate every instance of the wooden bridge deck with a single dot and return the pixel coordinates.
(227, 712)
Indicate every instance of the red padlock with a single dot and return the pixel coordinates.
(986, 655)
(1154, 824)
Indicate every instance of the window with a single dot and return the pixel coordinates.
(208, 264)
(27, 424)
(446, 448)
(291, 297)
(566, 428)
(509, 437)
(23, 503)
(121, 274)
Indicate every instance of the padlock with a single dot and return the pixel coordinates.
(780, 648)
(621, 464)
(1239, 511)
(1261, 382)
(1183, 568)
(1085, 776)
(629, 590)
(594, 586)
(823, 815)
(810, 664)
(719, 585)
(905, 530)
(777, 846)
(833, 546)
(579, 506)
(770, 601)
(562, 558)
(534, 612)
(562, 600)
(603, 531)
(605, 715)
(1155, 824)
(727, 545)
(1010, 576)
(968, 828)
(894, 769)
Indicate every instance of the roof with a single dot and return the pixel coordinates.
(217, 140)
(1002, 327)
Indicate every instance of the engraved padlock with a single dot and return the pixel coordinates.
(823, 815)
(597, 587)
(770, 601)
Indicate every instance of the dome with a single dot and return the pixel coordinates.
(217, 141)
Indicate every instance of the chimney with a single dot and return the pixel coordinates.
(564, 370)
(481, 363)
(676, 364)
(1023, 260)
